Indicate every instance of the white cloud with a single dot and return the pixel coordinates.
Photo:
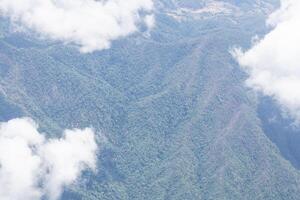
(91, 24)
(150, 21)
(32, 167)
(273, 62)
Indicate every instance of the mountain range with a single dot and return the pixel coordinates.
(173, 116)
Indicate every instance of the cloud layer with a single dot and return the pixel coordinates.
(273, 63)
(32, 167)
(91, 24)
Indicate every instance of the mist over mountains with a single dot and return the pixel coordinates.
(172, 115)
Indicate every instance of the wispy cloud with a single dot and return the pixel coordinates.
(90, 24)
(32, 167)
(273, 62)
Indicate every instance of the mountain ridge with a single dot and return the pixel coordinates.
(177, 119)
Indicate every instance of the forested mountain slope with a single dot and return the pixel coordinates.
(173, 116)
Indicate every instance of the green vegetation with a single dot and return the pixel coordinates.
(173, 117)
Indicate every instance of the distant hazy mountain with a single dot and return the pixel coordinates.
(173, 116)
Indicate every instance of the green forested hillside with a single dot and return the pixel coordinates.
(173, 117)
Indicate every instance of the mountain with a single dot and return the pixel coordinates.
(173, 116)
